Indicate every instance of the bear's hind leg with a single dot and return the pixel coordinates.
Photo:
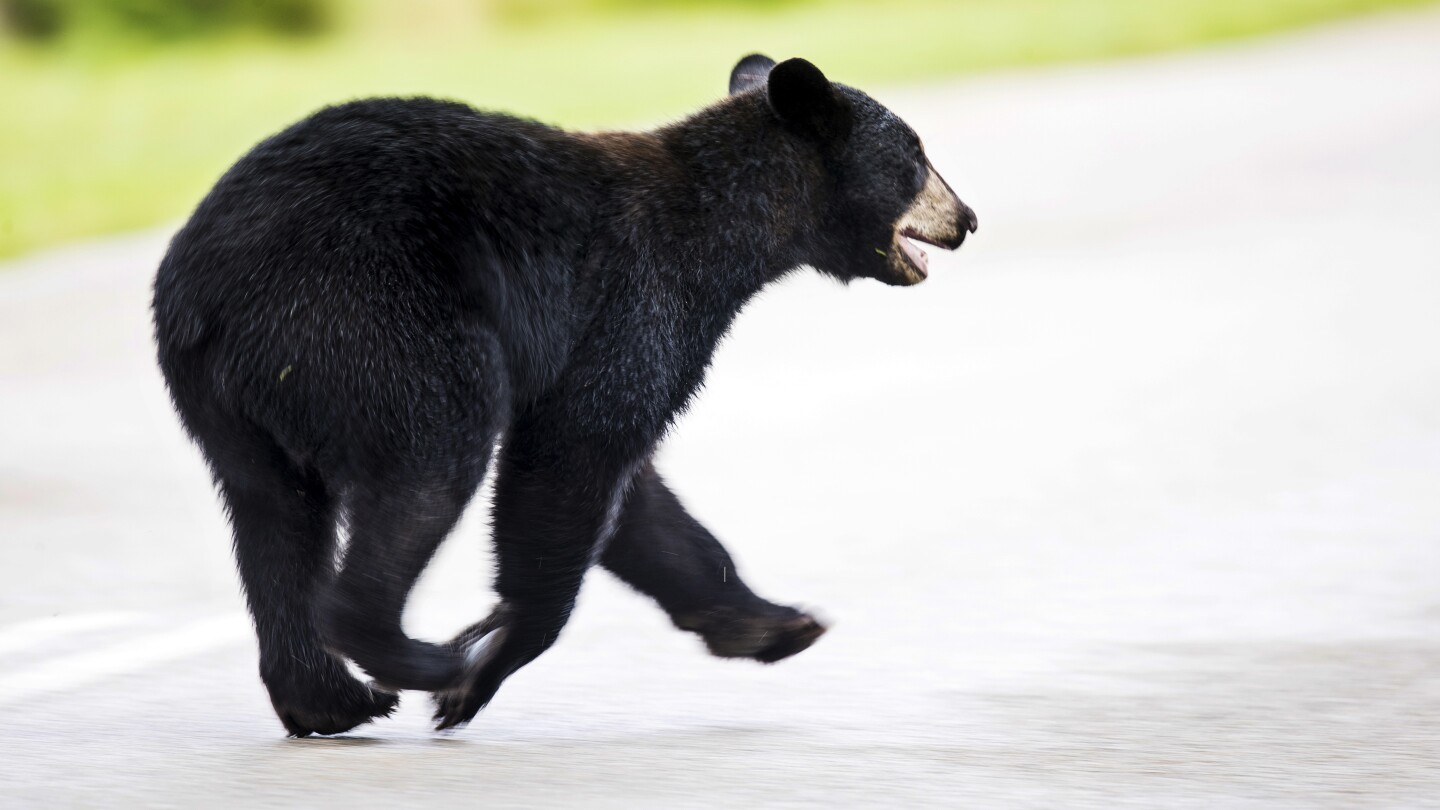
(284, 526)
(661, 551)
(395, 527)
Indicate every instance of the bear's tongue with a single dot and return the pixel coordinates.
(913, 252)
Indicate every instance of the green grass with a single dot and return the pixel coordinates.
(93, 142)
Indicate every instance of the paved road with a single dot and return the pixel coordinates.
(1135, 502)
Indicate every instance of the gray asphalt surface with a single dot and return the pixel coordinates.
(1136, 502)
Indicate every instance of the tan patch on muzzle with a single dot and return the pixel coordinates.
(936, 217)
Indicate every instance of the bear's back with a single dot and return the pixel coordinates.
(379, 240)
(388, 176)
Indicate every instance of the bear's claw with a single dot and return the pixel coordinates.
(481, 645)
(335, 712)
(766, 638)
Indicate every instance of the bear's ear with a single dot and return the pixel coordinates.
(750, 73)
(803, 98)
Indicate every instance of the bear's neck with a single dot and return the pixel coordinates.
(745, 191)
(720, 203)
(700, 216)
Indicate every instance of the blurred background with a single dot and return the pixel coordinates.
(1134, 502)
(119, 114)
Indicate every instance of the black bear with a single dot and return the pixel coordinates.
(373, 302)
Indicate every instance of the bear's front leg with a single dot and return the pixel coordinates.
(555, 501)
(663, 552)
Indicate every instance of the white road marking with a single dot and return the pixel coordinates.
(124, 658)
(35, 632)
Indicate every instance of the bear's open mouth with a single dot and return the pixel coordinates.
(906, 238)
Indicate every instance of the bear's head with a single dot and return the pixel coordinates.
(882, 195)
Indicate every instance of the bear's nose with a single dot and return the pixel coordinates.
(968, 220)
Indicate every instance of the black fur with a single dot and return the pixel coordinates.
(368, 301)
